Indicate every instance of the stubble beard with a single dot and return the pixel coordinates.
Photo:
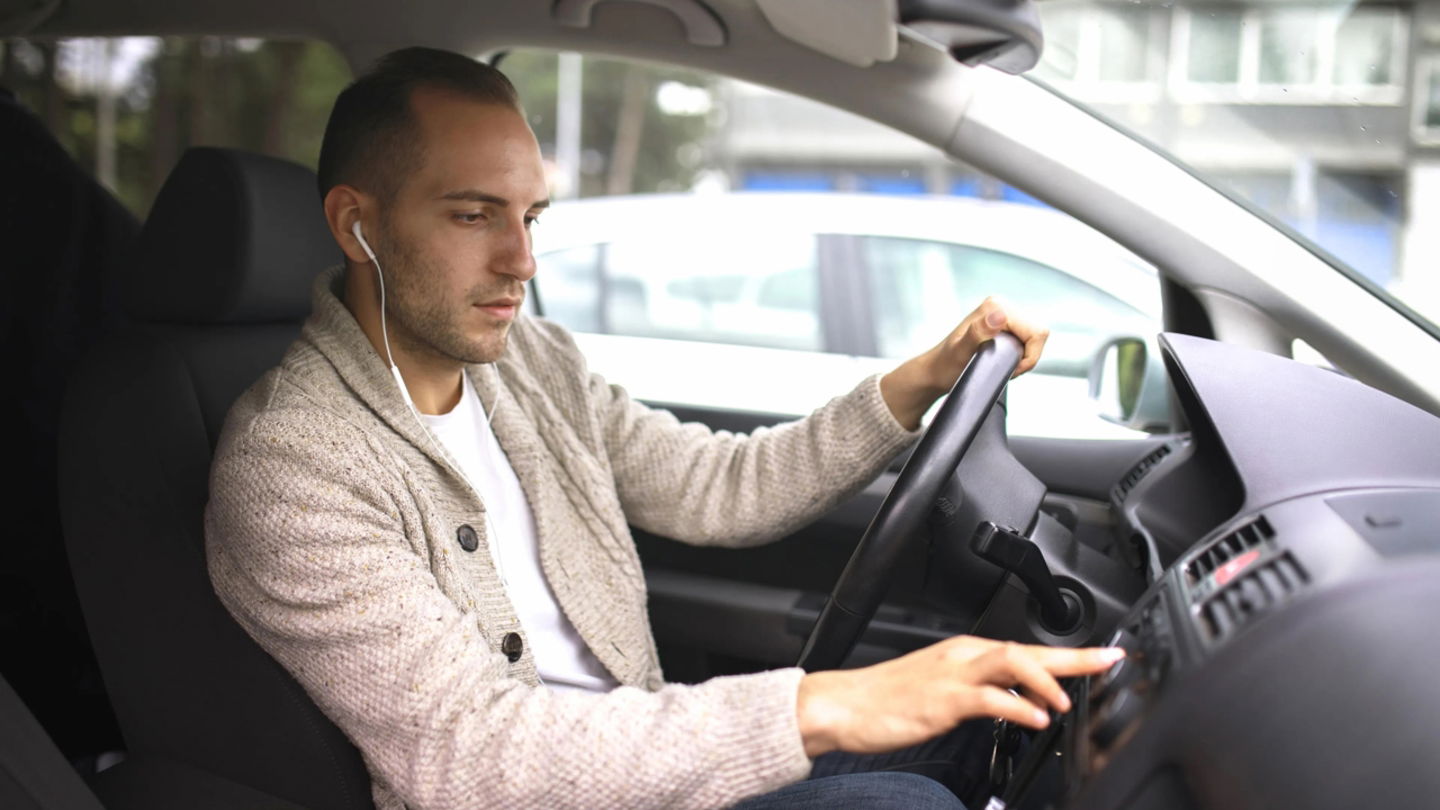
(429, 325)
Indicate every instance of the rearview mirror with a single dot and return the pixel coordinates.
(1127, 386)
(1004, 34)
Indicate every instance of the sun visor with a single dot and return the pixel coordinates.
(702, 26)
(857, 32)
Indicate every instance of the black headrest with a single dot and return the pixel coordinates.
(233, 237)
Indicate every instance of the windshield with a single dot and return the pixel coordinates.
(1324, 116)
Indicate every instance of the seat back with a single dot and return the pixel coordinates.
(218, 291)
(33, 773)
(65, 240)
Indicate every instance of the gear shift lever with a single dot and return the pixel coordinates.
(1010, 550)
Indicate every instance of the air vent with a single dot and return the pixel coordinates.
(1139, 470)
(1252, 535)
(1258, 588)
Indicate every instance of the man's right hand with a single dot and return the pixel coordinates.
(926, 693)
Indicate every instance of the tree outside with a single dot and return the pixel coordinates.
(643, 127)
(129, 107)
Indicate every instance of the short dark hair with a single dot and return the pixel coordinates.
(369, 139)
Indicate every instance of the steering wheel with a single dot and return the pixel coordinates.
(862, 584)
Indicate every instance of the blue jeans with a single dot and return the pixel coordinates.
(879, 790)
(929, 776)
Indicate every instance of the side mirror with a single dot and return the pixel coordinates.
(1129, 388)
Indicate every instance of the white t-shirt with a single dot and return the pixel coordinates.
(561, 656)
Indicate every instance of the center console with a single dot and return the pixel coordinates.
(1289, 659)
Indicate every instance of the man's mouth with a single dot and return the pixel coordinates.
(502, 308)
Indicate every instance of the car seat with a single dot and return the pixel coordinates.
(35, 776)
(33, 773)
(66, 240)
(220, 286)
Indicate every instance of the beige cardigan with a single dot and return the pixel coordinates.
(331, 535)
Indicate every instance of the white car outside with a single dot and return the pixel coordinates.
(775, 302)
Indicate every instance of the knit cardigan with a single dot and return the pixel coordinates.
(333, 536)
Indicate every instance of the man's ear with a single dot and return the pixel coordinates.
(343, 208)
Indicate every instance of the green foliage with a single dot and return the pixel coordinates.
(274, 97)
(266, 96)
(660, 163)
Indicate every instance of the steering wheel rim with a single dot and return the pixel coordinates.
(860, 587)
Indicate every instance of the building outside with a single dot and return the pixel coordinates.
(1326, 116)
(1323, 113)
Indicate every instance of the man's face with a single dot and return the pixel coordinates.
(455, 240)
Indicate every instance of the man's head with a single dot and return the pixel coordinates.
(370, 138)
(431, 153)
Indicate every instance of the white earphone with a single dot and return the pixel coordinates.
(414, 411)
(385, 334)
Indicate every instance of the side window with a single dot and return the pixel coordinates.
(128, 107)
(919, 287)
(571, 291)
(763, 290)
(721, 244)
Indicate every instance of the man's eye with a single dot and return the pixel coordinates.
(470, 219)
(529, 221)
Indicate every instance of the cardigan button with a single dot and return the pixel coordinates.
(512, 645)
(467, 537)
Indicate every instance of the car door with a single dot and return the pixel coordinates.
(748, 608)
(741, 334)
(747, 303)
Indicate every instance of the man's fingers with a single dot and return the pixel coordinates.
(1006, 705)
(1034, 340)
(1034, 345)
(1030, 676)
(1062, 662)
(988, 320)
(991, 318)
(995, 320)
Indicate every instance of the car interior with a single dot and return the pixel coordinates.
(1267, 559)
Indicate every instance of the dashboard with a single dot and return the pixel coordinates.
(1287, 657)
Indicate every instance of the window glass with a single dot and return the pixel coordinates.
(1364, 47)
(1109, 48)
(918, 286)
(572, 287)
(705, 242)
(1124, 37)
(759, 291)
(715, 290)
(1429, 101)
(1324, 113)
(615, 127)
(127, 107)
(1288, 47)
(794, 289)
(1215, 45)
(1062, 43)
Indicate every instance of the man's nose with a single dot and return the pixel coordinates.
(515, 257)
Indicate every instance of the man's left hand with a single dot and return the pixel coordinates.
(913, 387)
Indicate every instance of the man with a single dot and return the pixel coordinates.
(458, 589)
